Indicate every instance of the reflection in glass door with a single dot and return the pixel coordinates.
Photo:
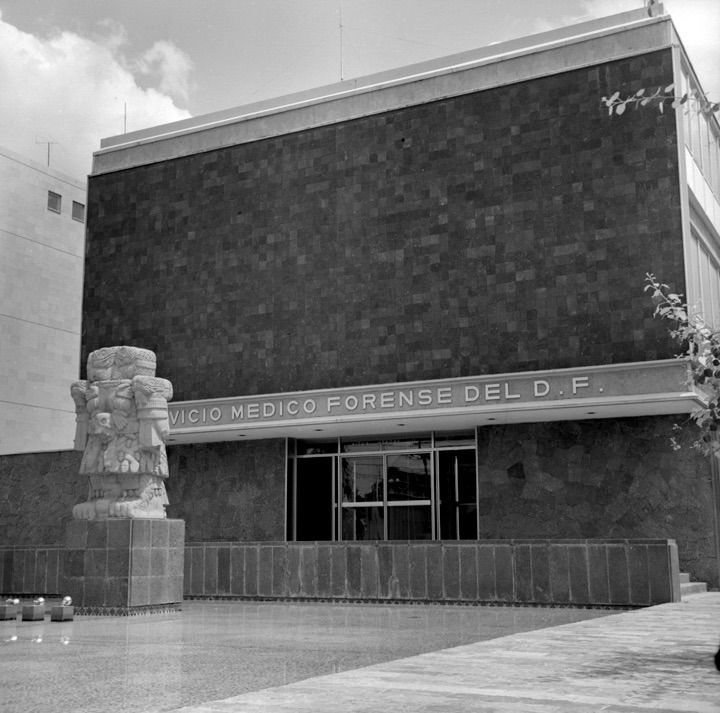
(457, 489)
(387, 497)
(363, 498)
(409, 496)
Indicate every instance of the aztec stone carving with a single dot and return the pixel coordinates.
(122, 424)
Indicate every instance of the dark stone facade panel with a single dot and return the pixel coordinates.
(324, 571)
(541, 590)
(486, 574)
(577, 560)
(353, 574)
(522, 561)
(338, 570)
(639, 574)
(579, 479)
(308, 570)
(618, 575)
(435, 567)
(237, 570)
(211, 571)
(229, 491)
(251, 571)
(265, 572)
(451, 572)
(507, 588)
(369, 586)
(279, 570)
(223, 570)
(386, 578)
(418, 571)
(559, 574)
(528, 214)
(658, 567)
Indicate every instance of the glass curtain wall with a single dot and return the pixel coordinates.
(417, 488)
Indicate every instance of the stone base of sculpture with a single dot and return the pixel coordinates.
(124, 566)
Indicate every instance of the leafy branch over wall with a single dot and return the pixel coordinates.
(660, 97)
(702, 351)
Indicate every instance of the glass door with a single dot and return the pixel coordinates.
(457, 494)
(409, 496)
(315, 498)
(386, 497)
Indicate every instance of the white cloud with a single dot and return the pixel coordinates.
(170, 66)
(73, 90)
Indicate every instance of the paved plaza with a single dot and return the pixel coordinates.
(228, 657)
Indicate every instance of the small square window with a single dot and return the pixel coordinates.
(78, 211)
(54, 202)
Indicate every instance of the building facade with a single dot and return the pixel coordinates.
(42, 247)
(405, 323)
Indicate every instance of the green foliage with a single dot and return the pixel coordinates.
(701, 350)
(660, 97)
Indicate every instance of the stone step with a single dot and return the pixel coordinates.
(684, 577)
(692, 588)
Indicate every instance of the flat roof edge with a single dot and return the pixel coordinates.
(108, 158)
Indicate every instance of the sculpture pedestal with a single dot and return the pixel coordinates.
(8, 612)
(33, 612)
(121, 567)
(62, 613)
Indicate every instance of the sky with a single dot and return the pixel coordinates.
(75, 71)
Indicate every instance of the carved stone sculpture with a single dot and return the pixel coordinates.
(121, 427)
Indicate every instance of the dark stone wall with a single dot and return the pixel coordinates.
(614, 478)
(595, 479)
(561, 572)
(223, 491)
(37, 493)
(229, 491)
(503, 230)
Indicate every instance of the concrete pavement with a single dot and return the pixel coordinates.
(657, 659)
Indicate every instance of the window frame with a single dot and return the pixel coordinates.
(53, 198)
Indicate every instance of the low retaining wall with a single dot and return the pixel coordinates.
(618, 573)
(551, 572)
(30, 570)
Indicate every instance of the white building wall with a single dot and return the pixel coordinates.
(41, 271)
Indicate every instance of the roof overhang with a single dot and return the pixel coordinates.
(608, 391)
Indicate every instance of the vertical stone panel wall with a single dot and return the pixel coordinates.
(550, 572)
(31, 570)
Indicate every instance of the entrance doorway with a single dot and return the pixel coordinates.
(420, 487)
(457, 494)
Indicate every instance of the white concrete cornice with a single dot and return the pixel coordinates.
(544, 54)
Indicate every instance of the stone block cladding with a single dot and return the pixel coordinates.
(37, 493)
(31, 570)
(610, 573)
(229, 491)
(502, 230)
(123, 565)
(615, 478)
(584, 479)
(547, 572)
